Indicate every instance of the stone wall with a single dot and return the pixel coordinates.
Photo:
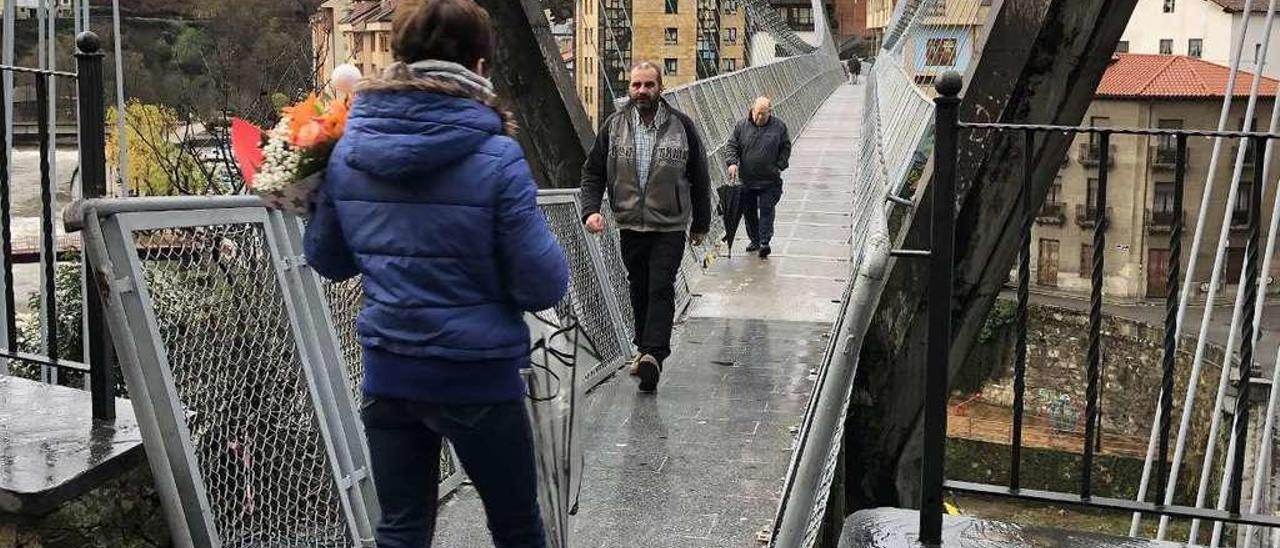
(1057, 367)
(123, 513)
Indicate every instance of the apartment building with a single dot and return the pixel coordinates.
(689, 39)
(850, 19)
(945, 38)
(1149, 91)
(1205, 29)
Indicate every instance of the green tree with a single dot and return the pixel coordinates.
(161, 160)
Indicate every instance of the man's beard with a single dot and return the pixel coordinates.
(644, 103)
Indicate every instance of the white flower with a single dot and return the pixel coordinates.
(280, 165)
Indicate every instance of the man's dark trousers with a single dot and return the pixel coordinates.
(652, 260)
(760, 207)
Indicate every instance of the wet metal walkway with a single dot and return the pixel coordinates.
(701, 463)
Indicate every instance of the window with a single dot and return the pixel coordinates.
(938, 8)
(731, 35)
(1055, 191)
(384, 41)
(1086, 259)
(1244, 204)
(1257, 52)
(1166, 47)
(672, 6)
(940, 52)
(730, 65)
(801, 16)
(1091, 197)
(671, 66)
(779, 51)
(1168, 6)
(730, 6)
(1195, 47)
(1235, 264)
(1167, 145)
(671, 35)
(1122, 46)
(1095, 141)
(1162, 205)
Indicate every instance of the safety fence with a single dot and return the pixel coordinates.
(243, 366)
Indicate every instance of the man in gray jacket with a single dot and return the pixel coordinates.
(650, 160)
(759, 151)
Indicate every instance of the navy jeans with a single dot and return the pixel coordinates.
(759, 206)
(494, 443)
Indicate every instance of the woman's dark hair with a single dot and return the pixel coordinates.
(447, 30)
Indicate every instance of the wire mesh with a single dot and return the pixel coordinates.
(221, 316)
(587, 300)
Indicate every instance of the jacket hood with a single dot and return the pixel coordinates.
(402, 127)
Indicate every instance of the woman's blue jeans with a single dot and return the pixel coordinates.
(494, 443)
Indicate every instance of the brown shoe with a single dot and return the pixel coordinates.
(649, 371)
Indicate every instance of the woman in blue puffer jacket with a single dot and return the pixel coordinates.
(429, 198)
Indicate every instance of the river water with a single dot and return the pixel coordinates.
(25, 198)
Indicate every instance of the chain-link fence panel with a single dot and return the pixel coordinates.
(220, 319)
(590, 300)
(345, 299)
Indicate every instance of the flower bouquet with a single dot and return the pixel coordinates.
(283, 166)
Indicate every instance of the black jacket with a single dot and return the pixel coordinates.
(677, 195)
(761, 153)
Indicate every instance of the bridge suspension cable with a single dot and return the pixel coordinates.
(1262, 466)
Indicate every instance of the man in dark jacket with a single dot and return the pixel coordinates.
(650, 159)
(759, 151)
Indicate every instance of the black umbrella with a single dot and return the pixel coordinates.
(730, 210)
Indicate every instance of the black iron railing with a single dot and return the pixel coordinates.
(1052, 213)
(93, 177)
(1164, 156)
(1097, 153)
(1163, 220)
(1091, 153)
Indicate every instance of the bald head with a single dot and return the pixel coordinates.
(761, 111)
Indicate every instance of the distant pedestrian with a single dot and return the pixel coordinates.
(759, 151)
(855, 69)
(649, 158)
(429, 199)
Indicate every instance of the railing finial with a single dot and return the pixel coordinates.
(949, 84)
(88, 42)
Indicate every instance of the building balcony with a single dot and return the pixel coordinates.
(1087, 216)
(1090, 155)
(1248, 157)
(1162, 220)
(1052, 213)
(1164, 158)
(1240, 219)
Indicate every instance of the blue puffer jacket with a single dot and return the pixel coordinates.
(428, 199)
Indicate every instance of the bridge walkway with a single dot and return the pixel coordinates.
(701, 463)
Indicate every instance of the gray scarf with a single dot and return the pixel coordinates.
(453, 72)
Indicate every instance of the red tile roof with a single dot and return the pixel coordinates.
(1138, 76)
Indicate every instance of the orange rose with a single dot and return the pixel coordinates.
(301, 114)
(311, 134)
